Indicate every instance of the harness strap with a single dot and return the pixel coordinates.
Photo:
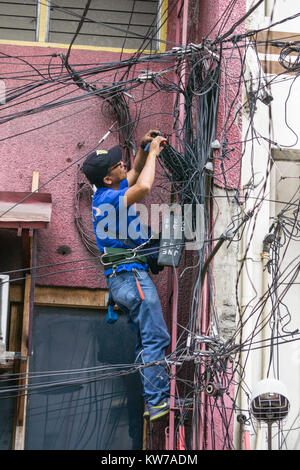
(113, 257)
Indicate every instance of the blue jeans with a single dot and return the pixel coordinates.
(146, 319)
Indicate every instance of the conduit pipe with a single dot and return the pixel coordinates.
(245, 357)
(171, 440)
(265, 258)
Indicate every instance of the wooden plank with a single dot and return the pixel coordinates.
(64, 296)
(19, 442)
(35, 180)
(25, 207)
(19, 438)
(25, 212)
(26, 311)
(23, 225)
(71, 297)
(25, 243)
(15, 327)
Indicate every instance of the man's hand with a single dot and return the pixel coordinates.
(156, 145)
(153, 138)
(145, 179)
(149, 137)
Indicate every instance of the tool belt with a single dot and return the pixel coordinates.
(113, 257)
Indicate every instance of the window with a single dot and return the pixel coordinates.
(109, 23)
(18, 20)
(114, 24)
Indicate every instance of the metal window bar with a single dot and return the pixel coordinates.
(131, 18)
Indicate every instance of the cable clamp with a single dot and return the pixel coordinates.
(212, 54)
(147, 75)
(228, 234)
(177, 50)
(182, 50)
(195, 47)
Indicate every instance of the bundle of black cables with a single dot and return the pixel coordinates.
(284, 57)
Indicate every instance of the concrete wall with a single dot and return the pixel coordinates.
(275, 181)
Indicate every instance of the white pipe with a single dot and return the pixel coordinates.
(245, 298)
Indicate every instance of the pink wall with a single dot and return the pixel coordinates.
(54, 147)
(211, 19)
(203, 23)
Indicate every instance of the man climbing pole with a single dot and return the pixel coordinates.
(126, 268)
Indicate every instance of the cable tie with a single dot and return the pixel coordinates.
(176, 50)
(147, 75)
(196, 47)
(229, 234)
(127, 94)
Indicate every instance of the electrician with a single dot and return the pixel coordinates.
(129, 283)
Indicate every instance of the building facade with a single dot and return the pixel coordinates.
(80, 75)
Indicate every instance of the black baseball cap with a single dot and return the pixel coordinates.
(97, 164)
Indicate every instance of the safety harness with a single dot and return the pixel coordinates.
(112, 258)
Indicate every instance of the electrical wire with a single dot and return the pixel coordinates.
(187, 175)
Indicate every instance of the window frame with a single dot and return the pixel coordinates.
(42, 32)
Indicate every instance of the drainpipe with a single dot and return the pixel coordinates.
(245, 357)
(265, 258)
(171, 439)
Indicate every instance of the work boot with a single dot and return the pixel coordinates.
(155, 412)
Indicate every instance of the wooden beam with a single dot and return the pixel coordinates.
(76, 297)
(19, 436)
(15, 327)
(35, 181)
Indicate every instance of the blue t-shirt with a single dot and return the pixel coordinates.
(116, 226)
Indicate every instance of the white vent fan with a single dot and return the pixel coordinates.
(270, 403)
